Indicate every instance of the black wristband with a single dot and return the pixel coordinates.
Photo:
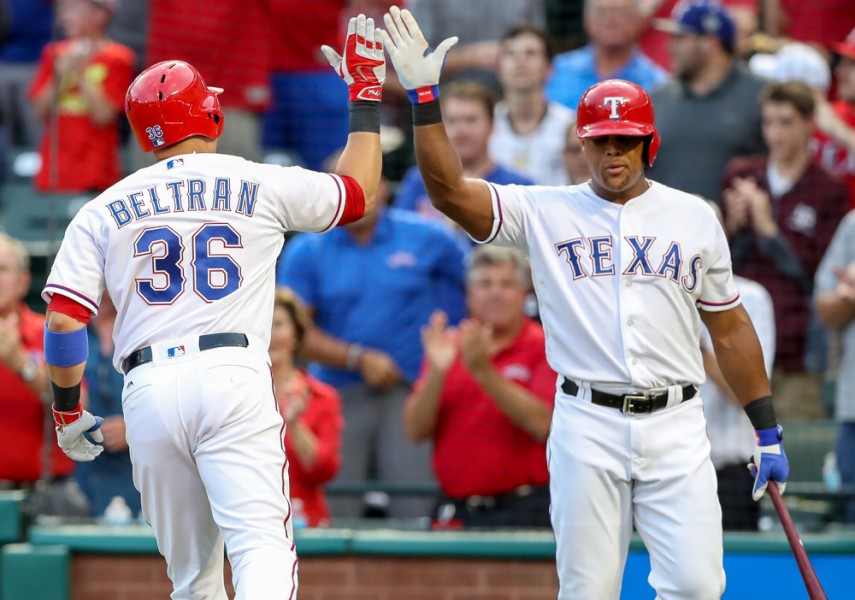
(65, 399)
(761, 413)
(427, 113)
(364, 116)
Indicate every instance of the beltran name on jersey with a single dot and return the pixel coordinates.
(185, 195)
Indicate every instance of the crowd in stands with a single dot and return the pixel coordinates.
(402, 354)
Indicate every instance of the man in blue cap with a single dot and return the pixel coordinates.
(710, 112)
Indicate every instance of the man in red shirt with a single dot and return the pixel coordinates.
(485, 397)
(781, 211)
(834, 147)
(23, 377)
(83, 78)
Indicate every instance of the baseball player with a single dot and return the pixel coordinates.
(186, 249)
(625, 269)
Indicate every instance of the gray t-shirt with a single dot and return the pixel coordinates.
(841, 253)
(700, 134)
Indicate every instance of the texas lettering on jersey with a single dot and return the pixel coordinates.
(186, 195)
(592, 257)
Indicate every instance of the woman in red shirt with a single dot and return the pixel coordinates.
(312, 412)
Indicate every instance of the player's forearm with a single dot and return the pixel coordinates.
(362, 160)
(421, 408)
(522, 407)
(739, 355)
(834, 310)
(65, 377)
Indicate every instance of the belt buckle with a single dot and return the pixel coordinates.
(628, 406)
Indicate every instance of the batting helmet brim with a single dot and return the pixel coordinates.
(604, 128)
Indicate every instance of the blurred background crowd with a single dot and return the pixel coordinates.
(410, 365)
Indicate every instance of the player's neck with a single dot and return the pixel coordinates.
(197, 145)
(526, 110)
(621, 196)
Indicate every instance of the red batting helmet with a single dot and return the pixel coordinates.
(170, 102)
(617, 107)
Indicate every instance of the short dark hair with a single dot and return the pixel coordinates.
(288, 300)
(796, 93)
(523, 28)
(465, 89)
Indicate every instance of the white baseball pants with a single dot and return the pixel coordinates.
(607, 470)
(206, 442)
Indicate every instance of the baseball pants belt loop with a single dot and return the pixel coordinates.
(631, 404)
(206, 342)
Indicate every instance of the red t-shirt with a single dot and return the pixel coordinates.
(323, 416)
(477, 449)
(833, 156)
(88, 154)
(819, 21)
(228, 41)
(301, 29)
(23, 423)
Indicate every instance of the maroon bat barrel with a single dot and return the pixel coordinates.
(814, 587)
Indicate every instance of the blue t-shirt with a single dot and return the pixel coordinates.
(575, 71)
(412, 194)
(379, 294)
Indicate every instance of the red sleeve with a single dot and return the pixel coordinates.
(44, 72)
(327, 424)
(71, 308)
(354, 201)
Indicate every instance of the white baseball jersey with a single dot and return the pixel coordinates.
(618, 285)
(538, 154)
(189, 245)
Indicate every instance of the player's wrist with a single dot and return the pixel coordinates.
(365, 116)
(65, 417)
(423, 94)
(65, 399)
(428, 113)
(761, 413)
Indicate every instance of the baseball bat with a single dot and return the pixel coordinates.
(814, 587)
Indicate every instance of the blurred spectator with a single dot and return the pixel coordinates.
(479, 24)
(654, 42)
(312, 413)
(467, 112)
(613, 27)
(23, 378)
(574, 161)
(309, 112)
(229, 42)
(29, 31)
(370, 286)
(78, 91)
(835, 142)
(111, 475)
(781, 211)
(130, 27)
(811, 21)
(834, 299)
(710, 113)
(528, 130)
(484, 397)
(730, 432)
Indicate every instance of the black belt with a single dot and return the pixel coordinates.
(632, 404)
(206, 342)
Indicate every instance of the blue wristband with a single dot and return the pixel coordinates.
(423, 94)
(66, 349)
(769, 437)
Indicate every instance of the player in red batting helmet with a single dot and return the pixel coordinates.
(617, 107)
(170, 102)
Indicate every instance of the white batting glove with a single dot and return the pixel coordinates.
(76, 430)
(362, 64)
(417, 64)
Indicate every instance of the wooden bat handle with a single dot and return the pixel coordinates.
(814, 587)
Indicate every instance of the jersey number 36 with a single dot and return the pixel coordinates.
(214, 276)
